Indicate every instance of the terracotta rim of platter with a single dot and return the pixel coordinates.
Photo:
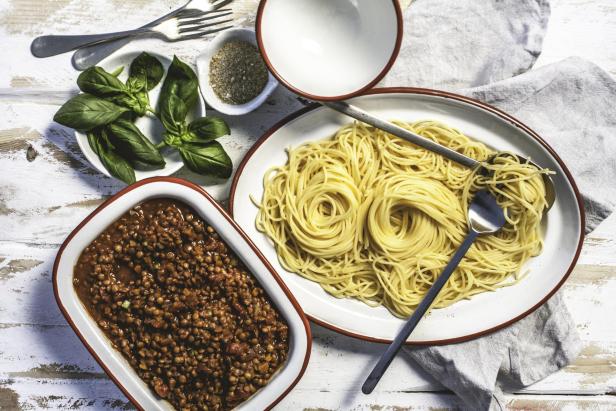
(282, 80)
(451, 96)
(234, 225)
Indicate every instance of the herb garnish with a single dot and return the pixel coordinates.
(194, 141)
(107, 108)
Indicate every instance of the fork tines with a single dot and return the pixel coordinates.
(198, 18)
(194, 26)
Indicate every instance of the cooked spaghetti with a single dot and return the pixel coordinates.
(371, 216)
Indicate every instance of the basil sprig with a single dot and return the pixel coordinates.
(193, 140)
(144, 74)
(107, 108)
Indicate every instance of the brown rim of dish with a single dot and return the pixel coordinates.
(390, 62)
(493, 110)
(236, 227)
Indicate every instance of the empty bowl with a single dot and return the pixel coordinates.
(329, 50)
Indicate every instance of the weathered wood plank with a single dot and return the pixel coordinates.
(32, 394)
(45, 198)
(560, 402)
(34, 335)
(21, 393)
(42, 363)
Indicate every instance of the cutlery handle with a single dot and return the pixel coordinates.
(419, 312)
(91, 55)
(47, 46)
(365, 117)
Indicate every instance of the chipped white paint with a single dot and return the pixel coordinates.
(42, 363)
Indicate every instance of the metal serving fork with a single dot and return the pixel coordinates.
(184, 26)
(91, 55)
(484, 217)
(365, 117)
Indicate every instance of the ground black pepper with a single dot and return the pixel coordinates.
(237, 72)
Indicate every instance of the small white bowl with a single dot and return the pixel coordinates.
(110, 359)
(149, 126)
(329, 49)
(203, 69)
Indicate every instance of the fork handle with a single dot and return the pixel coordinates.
(389, 127)
(91, 55)
(47, 46)
(387, 357)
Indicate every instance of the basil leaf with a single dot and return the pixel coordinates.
(98, 82)
(181, 81)
(148, 68)
(172, 114)
(134, 146)
(117, 166)
(205, 129)
(93, 142)
(117, 72)
(85, 111)
(209, 158)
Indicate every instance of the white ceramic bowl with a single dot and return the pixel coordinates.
(203, 69)
(149, 126)
(111, 360)
(329, 49)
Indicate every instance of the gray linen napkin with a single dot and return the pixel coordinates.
(570, 104)
(467, 43)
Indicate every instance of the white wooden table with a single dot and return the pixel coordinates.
(42, 363)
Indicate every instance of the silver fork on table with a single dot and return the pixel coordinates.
(189, 21)
(89, 56)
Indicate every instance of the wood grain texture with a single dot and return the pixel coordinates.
(42, 363)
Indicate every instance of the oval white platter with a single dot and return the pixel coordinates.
(484, 313)
(149, 126)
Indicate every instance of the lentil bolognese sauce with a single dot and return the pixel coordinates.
(181, 307)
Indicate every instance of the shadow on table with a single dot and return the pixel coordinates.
(358, 358)
(61, 143)
(58, 352)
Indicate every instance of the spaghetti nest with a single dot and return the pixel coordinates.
(371, 216)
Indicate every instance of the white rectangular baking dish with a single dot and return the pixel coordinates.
(111, 360)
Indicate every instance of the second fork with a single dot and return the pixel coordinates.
(181, 27)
